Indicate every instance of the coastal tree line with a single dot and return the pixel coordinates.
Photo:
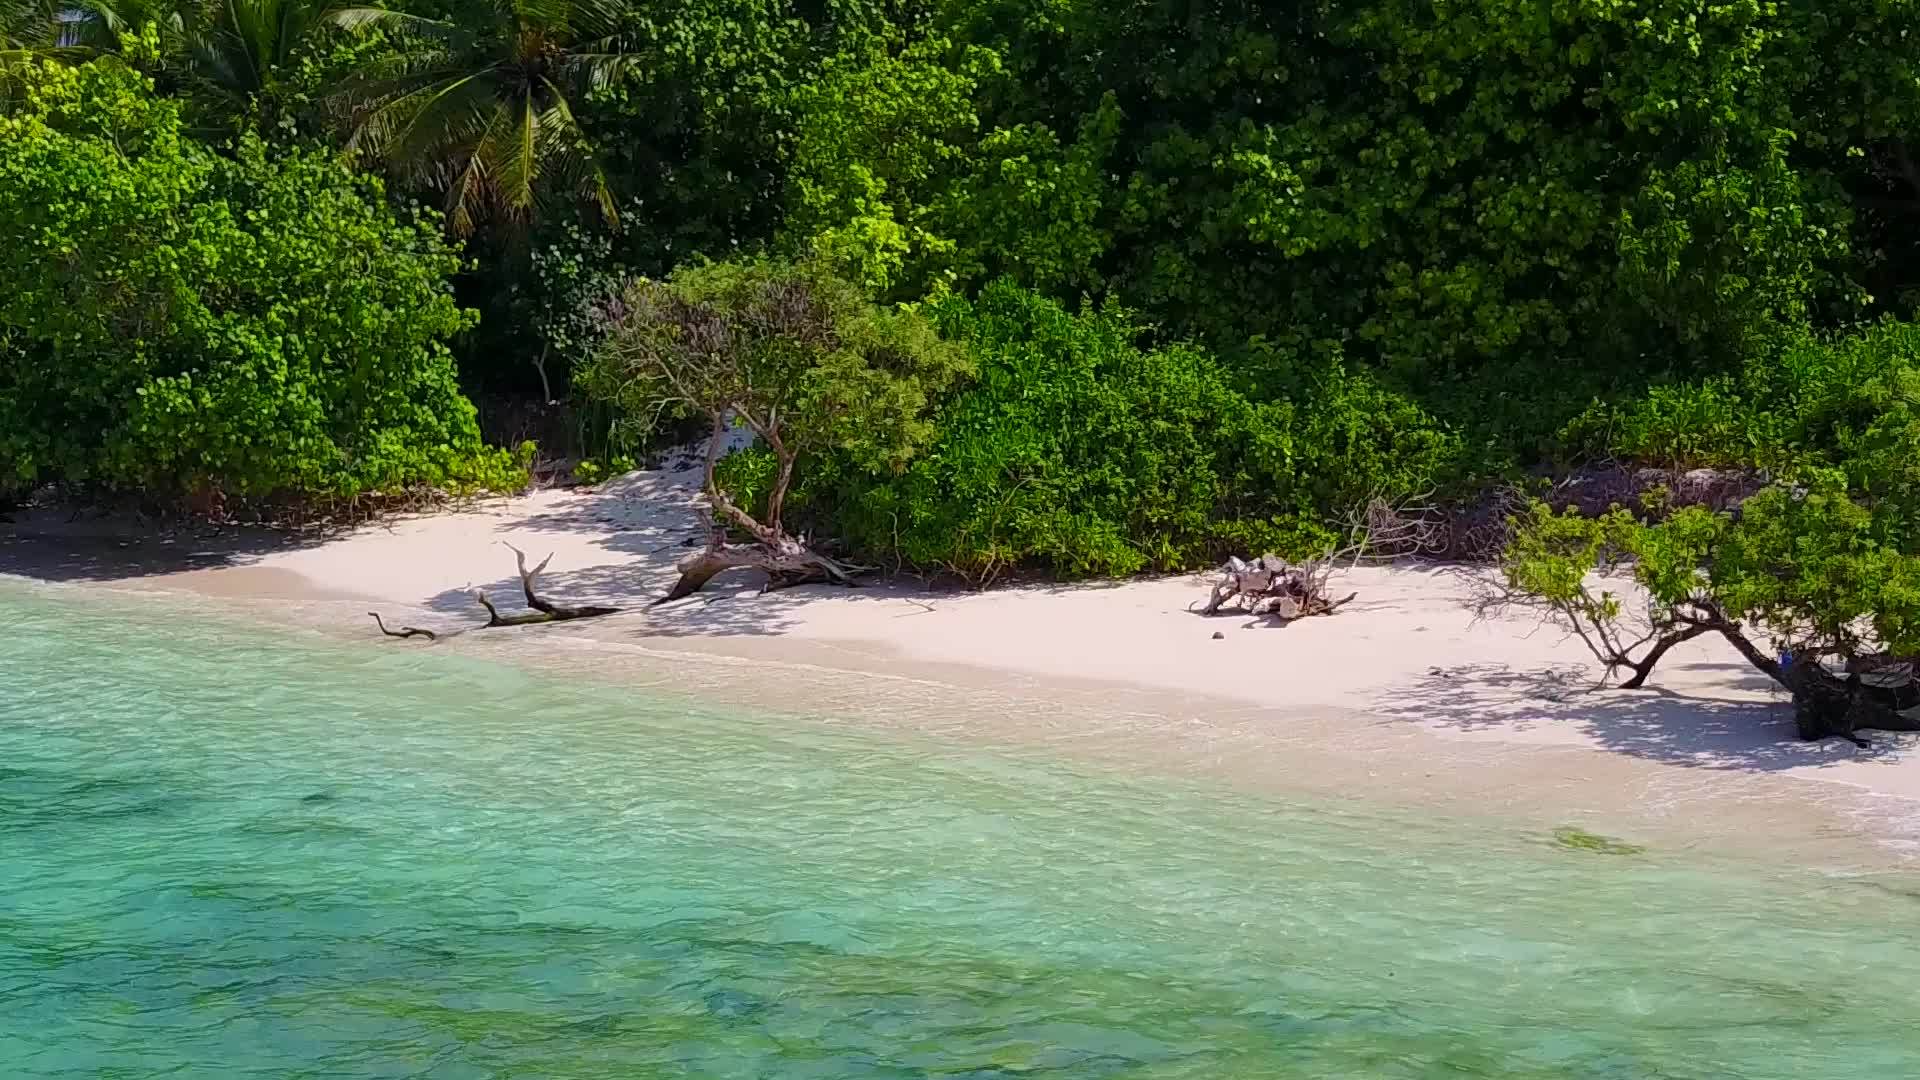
(1051, 286)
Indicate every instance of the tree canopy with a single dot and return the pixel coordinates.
(173, 319)
(1375, 248)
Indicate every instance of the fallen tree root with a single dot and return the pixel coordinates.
(786, 564)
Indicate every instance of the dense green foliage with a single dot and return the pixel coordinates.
(174, 320)
(1467, 196)
(1825, 562)
(791, 351)
(1078, 451)
(1812, 400)
(1224, 268)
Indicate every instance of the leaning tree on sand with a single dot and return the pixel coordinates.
(794, 354)
(1822, 580)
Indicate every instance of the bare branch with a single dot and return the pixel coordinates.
(403, 632)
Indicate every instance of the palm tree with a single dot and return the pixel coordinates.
(231, 47)
(487, 110)
(74, 31)
(78, 29)
(239, 45)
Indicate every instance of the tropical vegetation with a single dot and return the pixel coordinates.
(248, 323)
(1202, 275)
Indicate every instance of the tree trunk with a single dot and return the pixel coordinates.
(1825, 705)
(1761, 662)
(785, 561)
(546, 388)
(793, 564)
(1645, 667)
(777, 498)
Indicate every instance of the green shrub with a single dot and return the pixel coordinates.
(1677, 425)
(1076, 452)
(174, 321)
(791, 351)
(594, 470)
(1802, 402)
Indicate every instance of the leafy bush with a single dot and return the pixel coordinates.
(1504, 211)
(1702, 424)
(1806, 401)
(175, 321)
(1808, 572)
(1445, 187)
(1075, 451)
(791, 351)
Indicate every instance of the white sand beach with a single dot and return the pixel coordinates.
(1410, 692)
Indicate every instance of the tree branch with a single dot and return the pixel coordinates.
(403, 632)
(1645, 667)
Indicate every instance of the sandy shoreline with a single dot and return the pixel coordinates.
(1407, 697)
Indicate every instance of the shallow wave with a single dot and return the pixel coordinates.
(228, 854)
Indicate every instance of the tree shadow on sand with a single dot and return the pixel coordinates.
(648, 522)
(738, 609)
(650, 515)
(78, 548)
(1752, 732)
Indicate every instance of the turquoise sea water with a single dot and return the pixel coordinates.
(230, 855)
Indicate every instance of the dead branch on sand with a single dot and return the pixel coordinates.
(544, 610)
(1375, 531)
(403, 632)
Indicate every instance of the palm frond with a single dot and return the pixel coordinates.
(420, 117)
(569, 146)
(600, 64)
(517, 162)
(487, 114)
(470, 184)
(595, 19)
(553, 18)
(365, 18)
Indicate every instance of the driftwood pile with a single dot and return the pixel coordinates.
(1375, 531)
(1272, 587)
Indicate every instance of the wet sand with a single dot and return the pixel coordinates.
(1410, 697)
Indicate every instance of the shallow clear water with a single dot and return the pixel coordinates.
(230, 855)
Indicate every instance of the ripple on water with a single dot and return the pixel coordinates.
(221, 854)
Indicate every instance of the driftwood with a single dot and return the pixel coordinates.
(1376, 531)
(403, 632)
(544, 610)
(1272, 587)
